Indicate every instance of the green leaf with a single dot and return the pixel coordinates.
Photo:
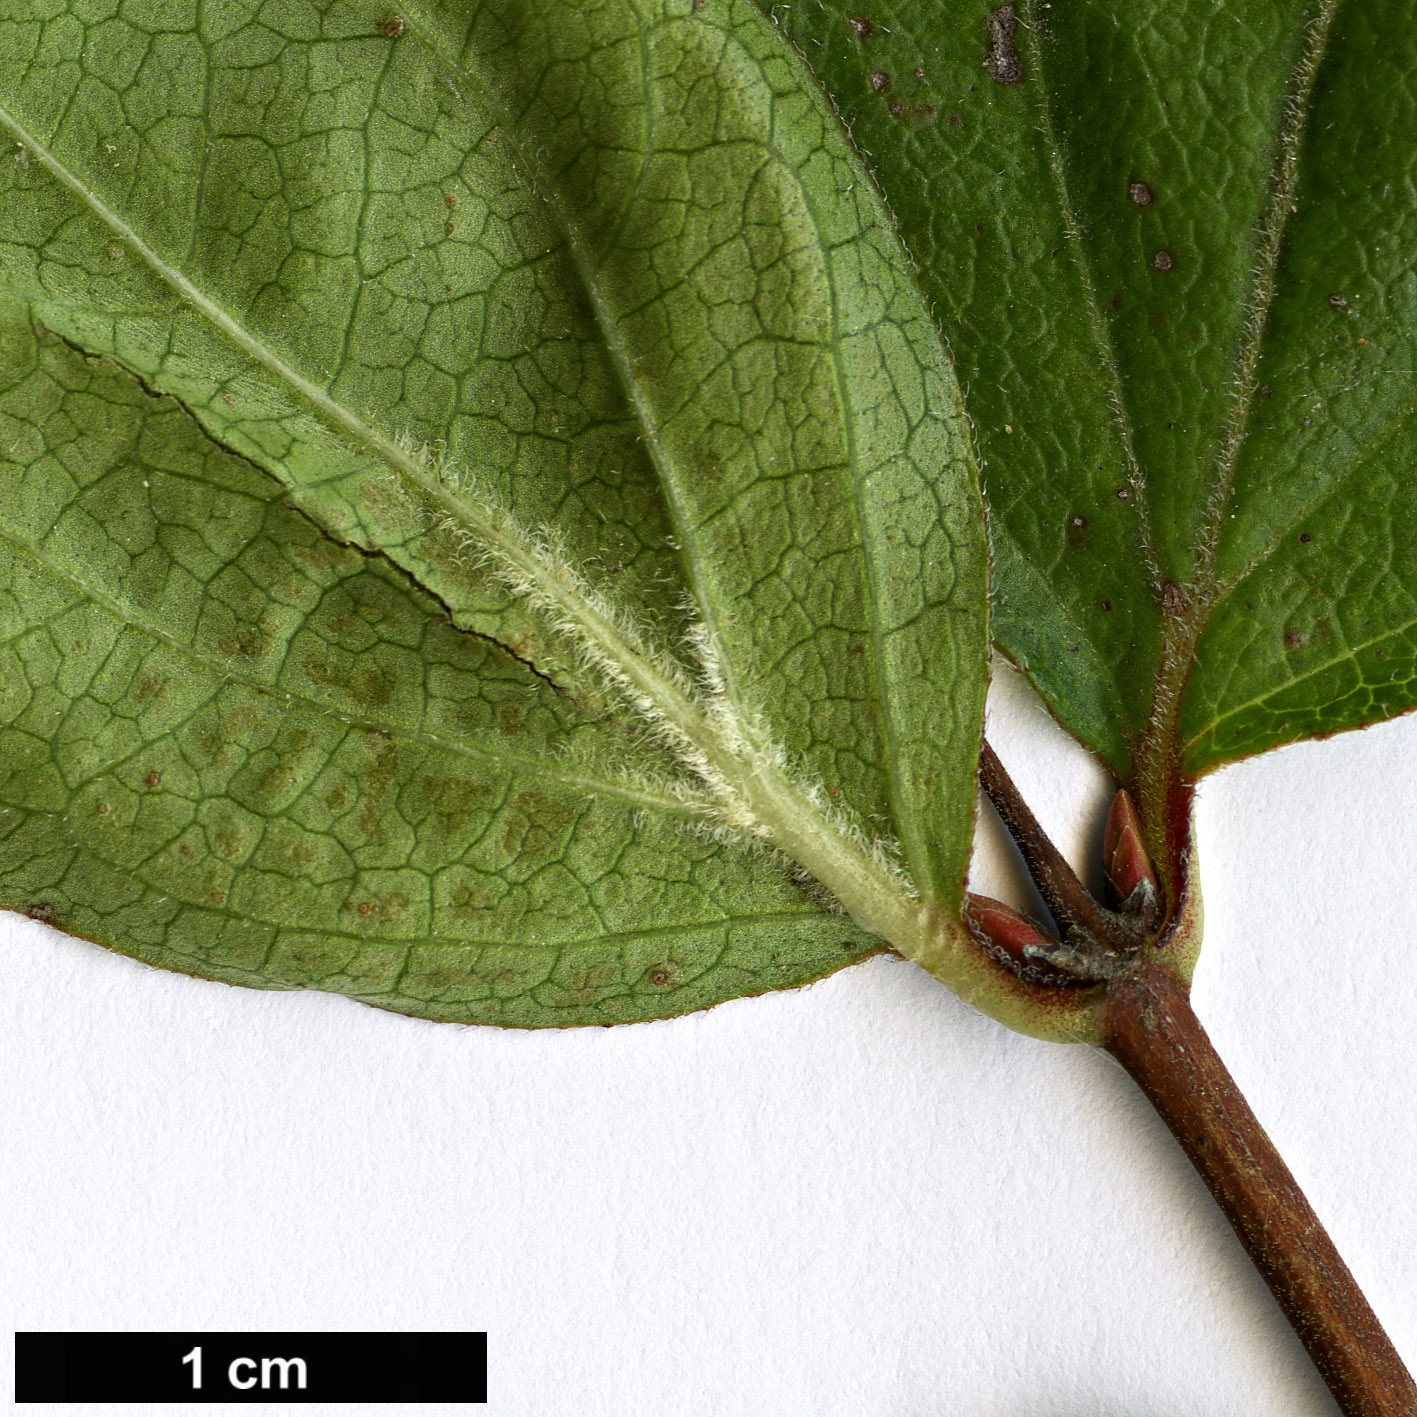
(589, 329)
(235, 747)
(1173, 260)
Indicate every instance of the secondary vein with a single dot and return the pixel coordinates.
(1269, 238)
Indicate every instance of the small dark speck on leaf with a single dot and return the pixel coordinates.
(1291, 640)
(1163, 261)
(1106, 604)
(450, 201)
(919, 72)
(1124, 493)
(1115, 303)
(152, 779)
(1140, 193)
(896, 109)
(862, 27)
(448, 228)
(956, 121)
(978, 227)
(1304, 536)
(878, 79)
(927, 110)
(1338, 302)
(1002, 60)
(392, 27)
(659, 976)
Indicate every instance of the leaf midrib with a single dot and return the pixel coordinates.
(1269, 240)
(916, 850)
(777, 807)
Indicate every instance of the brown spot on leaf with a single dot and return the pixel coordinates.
(1338, 302)
(1140, 193)
(1077, 531)
(42, 911)
(861, 26)
(534, 830)
(1163, 261)
(1106, 604)
(1303, 536)
(879, 80)
(1124, 494)
(392, 27)
(152, 779)
(659, 977)
(450, 201)
(146, 685)
(1002, 59)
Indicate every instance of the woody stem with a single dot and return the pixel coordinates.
(1070, 902)
(1152, 1031)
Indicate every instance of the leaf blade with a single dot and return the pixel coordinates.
(1212, 208)
(211, 789)
(256, 364)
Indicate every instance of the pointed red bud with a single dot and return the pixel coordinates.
(1123, 855)
(1007, 935)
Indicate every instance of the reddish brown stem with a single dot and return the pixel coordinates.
(1152, 1032)
(1070, 902)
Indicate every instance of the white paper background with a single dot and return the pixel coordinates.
(859, 1198)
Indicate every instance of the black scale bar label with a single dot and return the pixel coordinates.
(251, 1367)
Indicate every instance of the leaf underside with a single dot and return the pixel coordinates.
(1172, 248)
(490, 525)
